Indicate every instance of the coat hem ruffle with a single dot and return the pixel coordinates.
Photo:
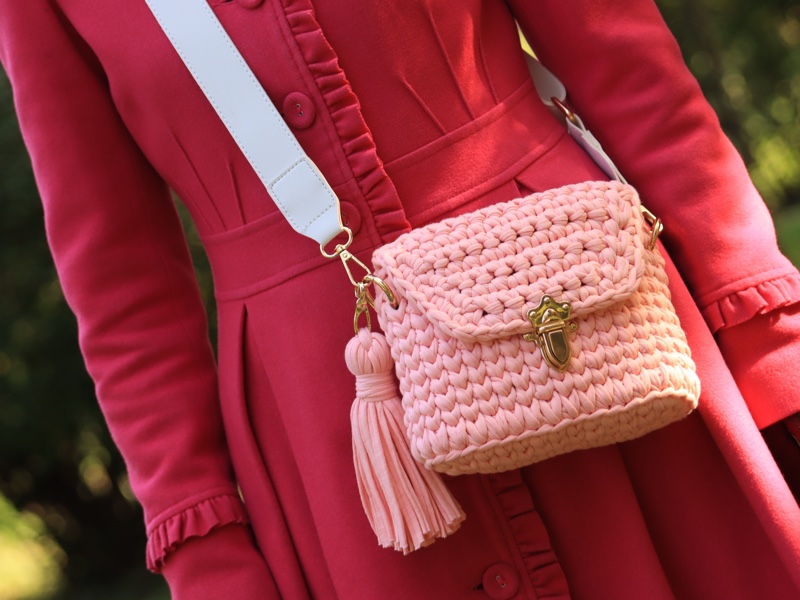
(535, 551)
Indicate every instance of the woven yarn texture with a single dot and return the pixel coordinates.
(477, 396)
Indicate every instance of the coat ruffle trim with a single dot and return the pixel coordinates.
(195, 521)
(759, 299)
(530, 536)
(357, 143)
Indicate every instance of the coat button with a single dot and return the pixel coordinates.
(350, 216)
(251, 3)
(501, 582)
(298, 110)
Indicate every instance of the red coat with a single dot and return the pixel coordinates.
(436, 116)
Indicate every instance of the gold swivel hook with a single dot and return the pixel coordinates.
(364, 298)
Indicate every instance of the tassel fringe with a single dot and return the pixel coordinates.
(408, 506)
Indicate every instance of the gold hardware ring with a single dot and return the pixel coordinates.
(571, 116)
(656, 226)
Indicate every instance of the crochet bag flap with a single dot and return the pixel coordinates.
(532, 328)
(476, 276)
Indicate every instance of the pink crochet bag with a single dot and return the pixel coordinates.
(521, 331)
(479, 397)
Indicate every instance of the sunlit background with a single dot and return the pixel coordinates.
(69, 525)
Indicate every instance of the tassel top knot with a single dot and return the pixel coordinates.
(368, 354)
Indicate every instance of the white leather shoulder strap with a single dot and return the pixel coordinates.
(292, 179)
(553, 93)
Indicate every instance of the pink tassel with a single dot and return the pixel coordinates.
(407, 505)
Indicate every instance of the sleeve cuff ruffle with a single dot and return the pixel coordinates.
(194, 521)
(759, 299)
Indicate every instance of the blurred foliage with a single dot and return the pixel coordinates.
(788, 225)
(746, 56)
(57, 461)
(30, 561)
(75, 523)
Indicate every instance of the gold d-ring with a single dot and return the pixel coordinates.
(383, 287)
(571, 116)
(656, 226)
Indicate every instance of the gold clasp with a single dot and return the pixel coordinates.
(551, 331)
(364, 299)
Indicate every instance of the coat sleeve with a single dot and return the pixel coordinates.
(626, 78)
(126, 273)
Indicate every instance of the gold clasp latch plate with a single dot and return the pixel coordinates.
(551, 331)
